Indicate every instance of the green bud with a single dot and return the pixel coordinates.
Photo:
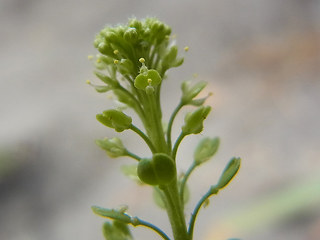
(115, 119)
(111, 37)
(151, 77)
(189, 92)
(134, 23)
(206, 148)
(131, 35)
(229, 172)
(126, 67)
(113, 147)
(160, 170)
(194, 121)
(171, 56)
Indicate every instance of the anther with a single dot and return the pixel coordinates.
(142, 60)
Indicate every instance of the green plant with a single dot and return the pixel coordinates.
(132, 64)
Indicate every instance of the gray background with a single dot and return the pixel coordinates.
(261, 59)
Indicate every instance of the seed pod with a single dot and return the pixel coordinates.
(142, 80)
(206, 148)
(115, 119)
(194, 121)
(160, 170)
(113, 146)
(229, 172)
(189, 92)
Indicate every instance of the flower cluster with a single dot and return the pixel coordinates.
(132, 64)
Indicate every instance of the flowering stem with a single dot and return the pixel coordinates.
(175, 211)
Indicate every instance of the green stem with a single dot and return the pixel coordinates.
(184, 181)
(137, 221)
(174, 114)
(132, 155)
(156, 125)
(212, 191)
(176, 145)
(144, 137)
(175, 211)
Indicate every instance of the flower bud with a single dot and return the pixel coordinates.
(126, 67)
(160, 170)
(113, 147)
(131, 35)
(134, 23)
(194, 121)
(229, 172)
(115, 119)
(206, 148)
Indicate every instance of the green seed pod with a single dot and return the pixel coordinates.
(151, 77)
(206, 148)
(146, 172)
(229, 172)
(194, 121)
(189, 92)
(160, 170)
(115, 119)
(113, 147)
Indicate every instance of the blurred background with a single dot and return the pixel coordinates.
(262, 61)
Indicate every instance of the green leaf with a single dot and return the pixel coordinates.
(194, 121)
(151, 77)
(206, 149)
(113, 146)
(229, 172)
(112, 214)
